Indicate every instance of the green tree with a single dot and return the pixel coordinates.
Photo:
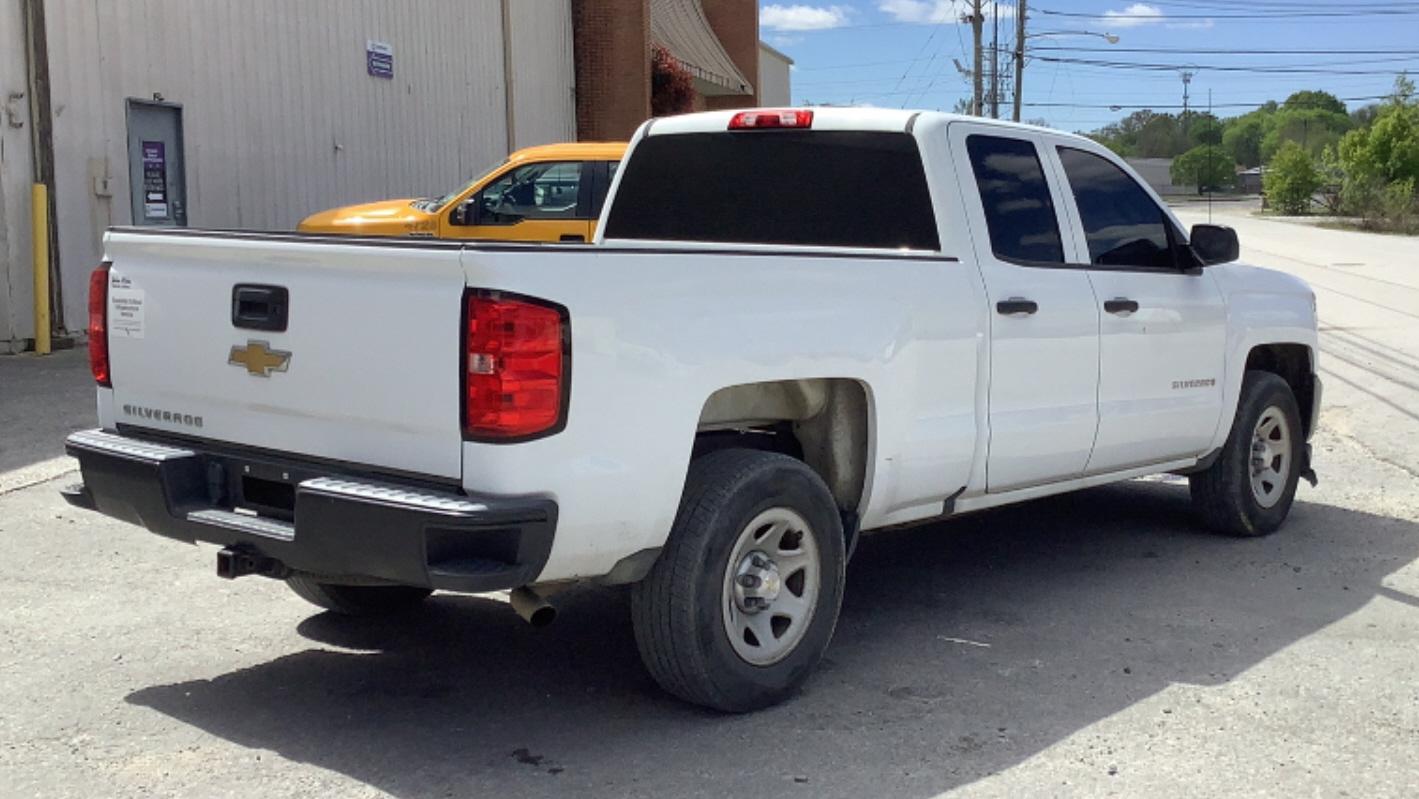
(1204, 129)
(1161, 137)
(1122, 136)
(1312, 128)
(1292, 179)
(1364, 116)
(1315, 101)
(1403, 93)
(1388, 150)
(1242, 139)
(1207, 166)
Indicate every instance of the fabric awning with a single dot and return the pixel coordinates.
(681, 27)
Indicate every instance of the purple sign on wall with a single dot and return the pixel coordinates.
(379, 59)
(155, 180)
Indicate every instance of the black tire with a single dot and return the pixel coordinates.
(1222, 494)
(357, 600)
(678, 610)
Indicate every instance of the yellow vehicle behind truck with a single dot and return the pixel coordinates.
(549, 193)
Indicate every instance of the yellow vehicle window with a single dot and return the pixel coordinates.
(535, 191)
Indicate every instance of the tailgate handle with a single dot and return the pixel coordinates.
(256, 307)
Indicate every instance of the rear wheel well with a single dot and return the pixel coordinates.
(822, 422)
(1292, 362)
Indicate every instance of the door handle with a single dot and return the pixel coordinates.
(1120, 305)
(1016, 305)
(256, 307)
(573, 237)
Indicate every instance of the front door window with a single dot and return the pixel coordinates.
(535, 191)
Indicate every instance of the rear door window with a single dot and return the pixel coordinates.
(1122, 224)
(809, 188)
(1018, 210)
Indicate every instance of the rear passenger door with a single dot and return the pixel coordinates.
(1162, 327)
(1044, 332)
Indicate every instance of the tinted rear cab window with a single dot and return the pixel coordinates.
(1018, 210)
(808, 188)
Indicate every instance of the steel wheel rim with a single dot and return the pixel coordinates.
(771, 586)
(1271, 453)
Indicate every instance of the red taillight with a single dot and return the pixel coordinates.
(771, 118)
(516, 381)
(98, 324)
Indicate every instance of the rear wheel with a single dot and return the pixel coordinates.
(743, 600)
(357, 600)
(1249, 489)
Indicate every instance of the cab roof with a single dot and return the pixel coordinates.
(571, 151)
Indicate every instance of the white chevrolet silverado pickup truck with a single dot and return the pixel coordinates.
(793, 325)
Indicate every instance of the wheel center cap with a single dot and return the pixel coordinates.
(757, 582)
(772, 584)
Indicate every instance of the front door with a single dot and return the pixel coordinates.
(1044, 333)
(157, 184)
(546, 201)
(1162, 333)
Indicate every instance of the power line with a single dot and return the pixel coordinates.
(1166, 106)
(1250, 51)
(1159, 50)
(1274, 15)
(1287, 5)
(1298, 69)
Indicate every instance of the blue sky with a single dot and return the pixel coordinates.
(902, 52)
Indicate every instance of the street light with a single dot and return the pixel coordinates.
(1021, 37)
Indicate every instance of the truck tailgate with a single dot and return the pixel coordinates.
(366, 370)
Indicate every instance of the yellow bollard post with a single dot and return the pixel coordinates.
(39, 238)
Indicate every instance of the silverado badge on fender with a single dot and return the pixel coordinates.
(259, 359)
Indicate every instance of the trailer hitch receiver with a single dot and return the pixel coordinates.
(234, 562)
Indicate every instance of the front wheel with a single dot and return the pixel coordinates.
(1248, 490)
(744, 598)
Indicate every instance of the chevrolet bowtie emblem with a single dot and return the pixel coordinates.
(259, 359)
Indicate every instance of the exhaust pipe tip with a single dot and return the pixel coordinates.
(532, 607)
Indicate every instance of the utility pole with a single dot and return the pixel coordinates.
(1019, 56)
(1187, 79)
(995, 61)
(976, 91)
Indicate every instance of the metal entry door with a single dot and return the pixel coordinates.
(157, 182)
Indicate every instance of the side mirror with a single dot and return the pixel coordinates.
(1215, 244)
(465, 213)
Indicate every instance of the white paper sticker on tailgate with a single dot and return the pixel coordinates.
(125, 313)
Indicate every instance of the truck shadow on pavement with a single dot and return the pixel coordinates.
(964, 648)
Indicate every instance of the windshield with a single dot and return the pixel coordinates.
(435, 203)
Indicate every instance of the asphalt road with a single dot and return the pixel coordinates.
(1094, 644)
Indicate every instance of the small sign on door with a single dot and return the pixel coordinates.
(155, 180)
(379, 59)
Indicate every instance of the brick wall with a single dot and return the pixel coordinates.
(612, 43)
(736, 23)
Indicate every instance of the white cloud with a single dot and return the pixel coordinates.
(1143, 14)
(803, 17)
(1135, 15)
(931, 12)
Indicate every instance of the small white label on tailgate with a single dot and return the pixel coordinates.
(125, 314)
